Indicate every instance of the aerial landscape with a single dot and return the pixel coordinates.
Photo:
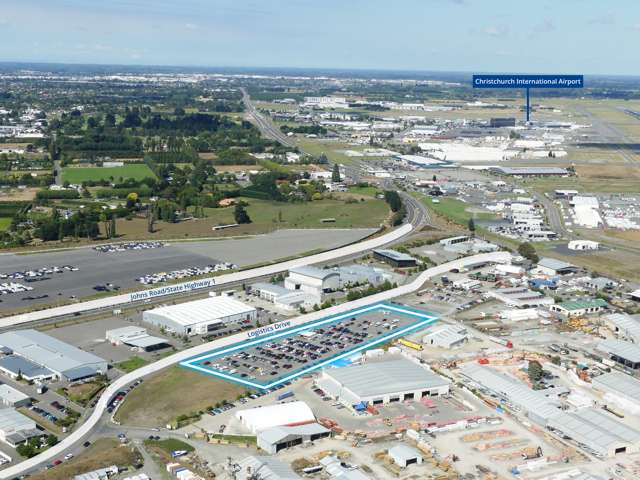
(319, 240)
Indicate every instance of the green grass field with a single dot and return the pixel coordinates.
(170, 445)
(368, 191)
(454, 210)
(131, 364)
(77, 175)
(368, 213)
(4, 223)
(173, 392)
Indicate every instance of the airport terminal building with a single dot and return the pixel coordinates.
(379, 383)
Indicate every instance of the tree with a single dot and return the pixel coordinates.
(52, 440)
(240, 214)
(535, 371)
(335, 175)
(471, 225)
(528, 251)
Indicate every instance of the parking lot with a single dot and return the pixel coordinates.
(266, 361)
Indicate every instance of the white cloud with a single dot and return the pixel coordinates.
(190, 26)
(496, 30)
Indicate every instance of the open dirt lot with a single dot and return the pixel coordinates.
(171, 393)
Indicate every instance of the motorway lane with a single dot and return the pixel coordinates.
(97, 416)
(266, 127)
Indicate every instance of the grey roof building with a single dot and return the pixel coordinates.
(553, 266)
(403, 455)
(395, 258)
(274, 439)
(11, 397)
(66, 361)
(16, 428)
(382, 382)
(15, 366)
(624, 388)
(624, 353)
(624, 325)
(265, 468)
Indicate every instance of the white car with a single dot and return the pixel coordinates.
(68, 456)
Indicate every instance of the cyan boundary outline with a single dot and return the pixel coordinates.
(427, 319)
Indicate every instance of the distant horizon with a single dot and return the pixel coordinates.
(249, 69)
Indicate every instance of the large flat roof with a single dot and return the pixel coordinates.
(627, 350)
(13, 421)
(204, 310)
(619, 383)
(11, 395)
(27, 368)
(394, 255)
(48, 351)
(390, 376)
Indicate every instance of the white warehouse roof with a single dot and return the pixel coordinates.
(261, 418)
(390, 376)
(203, 310)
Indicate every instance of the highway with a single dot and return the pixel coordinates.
(266, 127)
(97, 416)
(230, 278)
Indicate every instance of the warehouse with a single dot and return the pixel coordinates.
(283, 414)
(596, 431)
(272, 440)
(359, 275)
(600, 283)
(383, 382)
(15, 367)
(551, 266)
(626, 326)
(312, 280)
(65, 361)
(200, 316)
(136, 337)
(16, 428)
(403, 456)
(283, 298)
(621, 389)
(394, 258)
(10, 397)
(520, 297)
(579, 308)
(623, 353)
(264, 468)
(448, 336)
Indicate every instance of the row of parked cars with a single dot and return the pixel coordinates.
(253, 396)
(119, 396)
(123, 247)
(160, 277)
(37, 273)
(7, 288)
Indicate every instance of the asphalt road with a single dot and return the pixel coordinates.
(266, 127)
(122, 268)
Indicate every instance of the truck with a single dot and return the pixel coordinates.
(502, 341)
(410, 344)
(284, 395)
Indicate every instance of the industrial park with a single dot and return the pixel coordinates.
(391, 258)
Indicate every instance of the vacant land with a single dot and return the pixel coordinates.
(131, 364)
(18, 194)
(77, 175)
(455, 210)
(607, 172)
(170, 445)
(171, 393)
(267, 216)
(103, 453)
(4, 223)
(82, 393)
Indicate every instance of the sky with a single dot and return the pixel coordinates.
(542, 36)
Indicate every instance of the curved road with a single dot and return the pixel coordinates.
(99, 411)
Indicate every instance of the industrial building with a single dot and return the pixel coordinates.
(600, 283)
(520, 297)
(579, 308)
(394, 258)
(338, 470)
(283, 414)
(14, 367)
(403, 455)
(283, 298)
(551, 266)
(360, 274)
(379, 383)
(65, 361)
(264, 468)
(626, 326)
(274, 439)
(624, 353)
(200, 316)
(312, 280)
(16, 428)
(594, 430)
(11, 397)
(499, 122)
(136, 337)
(619, 388)
(447, 336)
